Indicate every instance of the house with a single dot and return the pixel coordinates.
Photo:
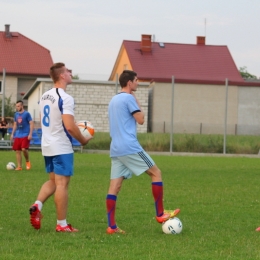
(188, 83)
(23, 61)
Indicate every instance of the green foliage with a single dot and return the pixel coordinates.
(245, 74)
(9, 107)
(193, 143)
(218, 198)
(75, 76)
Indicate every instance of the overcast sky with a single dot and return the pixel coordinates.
(87, 34)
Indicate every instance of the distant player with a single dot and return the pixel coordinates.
(127, 155)
(3, 127)
(22, 128)
(58, 125)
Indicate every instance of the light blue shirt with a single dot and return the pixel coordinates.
(122, 125)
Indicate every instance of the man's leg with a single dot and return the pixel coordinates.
(18, 159)
(157, 190)
(114, 188)
(47, 190)
(25, 148)
(61, 195)
(26, 154)
(61, 202)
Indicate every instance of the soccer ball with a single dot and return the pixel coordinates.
(86, 128)
(172, 226)
(10, 166)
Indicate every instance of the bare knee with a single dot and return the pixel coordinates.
(115, 186)
(155, 174)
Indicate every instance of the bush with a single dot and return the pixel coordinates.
(192, 143)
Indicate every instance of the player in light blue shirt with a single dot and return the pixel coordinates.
(123, 125)
(127, 155)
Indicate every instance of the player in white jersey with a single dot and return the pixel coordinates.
(58, 127)
(55, 137)
(127, 155)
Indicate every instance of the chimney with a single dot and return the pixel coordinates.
(146, 43)
(201, 40)
(7, 31)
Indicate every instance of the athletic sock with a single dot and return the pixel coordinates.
(157, 190)
(62, 223)
(111, 208)
(39, 203)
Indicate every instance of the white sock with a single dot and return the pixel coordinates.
(62, 223)
(39, 203)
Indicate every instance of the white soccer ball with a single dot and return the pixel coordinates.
(10, 166)
(172, 226)
(86, 128)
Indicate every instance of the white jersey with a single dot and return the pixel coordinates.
(55, 138)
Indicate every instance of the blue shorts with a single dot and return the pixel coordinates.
(60, 164)
(126, 166)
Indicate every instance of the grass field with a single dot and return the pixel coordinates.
(219, 198)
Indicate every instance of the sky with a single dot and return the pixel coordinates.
(87, 34)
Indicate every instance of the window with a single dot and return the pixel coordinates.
(161, 44)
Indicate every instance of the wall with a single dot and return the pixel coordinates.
(10, 87)
(23, 85)
(91, 100)
(249, 111)
(33, 106)
(197, 108)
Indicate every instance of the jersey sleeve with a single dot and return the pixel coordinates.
(68, 105)
(29, 117)
(132, 105)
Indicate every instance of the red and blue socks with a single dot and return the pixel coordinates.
(157, 190)
(111, 208)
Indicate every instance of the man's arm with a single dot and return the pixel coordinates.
(14, 129)
(31, 130)
(139, 116)
(69, 123)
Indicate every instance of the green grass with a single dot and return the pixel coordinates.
(218, 198)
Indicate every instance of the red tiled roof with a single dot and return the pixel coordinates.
(188, 63)
(21, 56)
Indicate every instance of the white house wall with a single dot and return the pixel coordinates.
(10, 88)
(33, 106)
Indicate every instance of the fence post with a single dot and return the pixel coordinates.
(3, 95)
(225, 122)
(171, 134)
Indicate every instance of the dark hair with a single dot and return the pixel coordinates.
(55, 70)
(126, 76)
(19, 101)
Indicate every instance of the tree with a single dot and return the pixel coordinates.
(9, 108)
(245, 74)
(75, 76)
